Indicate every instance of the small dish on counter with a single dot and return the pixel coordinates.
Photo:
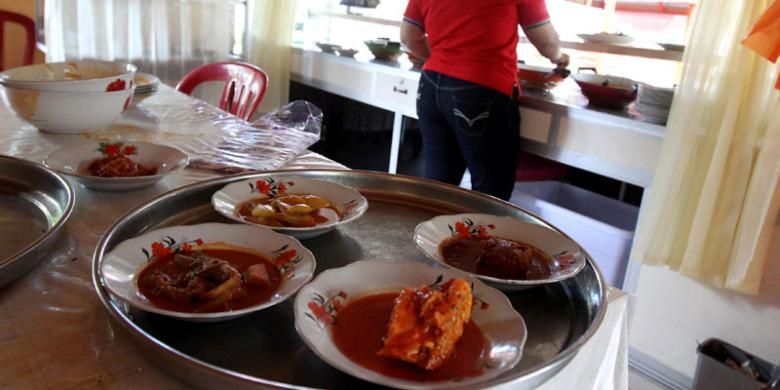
(505, 252)
(329, 48)
(345, 314)
(117, 166)
(208, 272)
(303, 208)
(346, 52)
(607, 38)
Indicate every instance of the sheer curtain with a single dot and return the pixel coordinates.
(714, 202)
(164, 37)
(270, 33)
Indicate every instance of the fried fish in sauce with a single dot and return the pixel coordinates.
(426, 323)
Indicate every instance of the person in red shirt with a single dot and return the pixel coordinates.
(467, 97)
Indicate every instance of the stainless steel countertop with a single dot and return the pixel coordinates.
(561, 99)
(567, 95)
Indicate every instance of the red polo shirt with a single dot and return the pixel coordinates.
(476, 40)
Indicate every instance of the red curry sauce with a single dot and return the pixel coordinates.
(362, 324)
(249, 295)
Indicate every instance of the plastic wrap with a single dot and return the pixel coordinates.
(271, 141)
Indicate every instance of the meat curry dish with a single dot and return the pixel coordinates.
(119, 166)
(421, 334)
(210, 280)
(497, 257)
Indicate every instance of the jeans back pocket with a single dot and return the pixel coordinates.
(471, 117)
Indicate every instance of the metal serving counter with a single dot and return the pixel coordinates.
(558, 125)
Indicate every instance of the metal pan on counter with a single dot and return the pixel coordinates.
(539, 77)
(605, 90)
(35, 203)
(263, 349)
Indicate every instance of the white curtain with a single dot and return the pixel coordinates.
(713, 206)
(164, 37)
(270, 33)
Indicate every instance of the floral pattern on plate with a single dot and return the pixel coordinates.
(565, 252)
(120, 267)
(74, 160)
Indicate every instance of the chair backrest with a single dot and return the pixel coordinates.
(29, 27)
(245, 85)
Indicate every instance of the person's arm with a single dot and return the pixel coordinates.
(545, 39)
(535, 21)
(414, 39)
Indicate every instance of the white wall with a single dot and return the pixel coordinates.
(674, 312)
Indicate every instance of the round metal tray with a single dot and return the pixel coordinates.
(35, 203)
(263, 349)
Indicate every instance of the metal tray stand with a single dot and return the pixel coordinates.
(264, 350)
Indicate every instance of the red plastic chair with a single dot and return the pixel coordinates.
(29, 27)
(245, 85)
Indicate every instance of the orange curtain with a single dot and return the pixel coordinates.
(764, 37)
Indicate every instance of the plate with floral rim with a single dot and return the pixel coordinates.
(120, 268)
(74, 161)
(566, 256)
(347, 204)
(318, 305)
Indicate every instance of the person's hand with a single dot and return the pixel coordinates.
(562, 62)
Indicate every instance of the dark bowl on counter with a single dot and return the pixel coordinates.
(385, 49)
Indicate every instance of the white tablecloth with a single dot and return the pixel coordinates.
(54, 333)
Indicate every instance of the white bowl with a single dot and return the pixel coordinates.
(501, 325)
(74, 161)
(71, 76)
(67, 112)
(429, 234)
(606, 38)
(120, 267)
(349, 202)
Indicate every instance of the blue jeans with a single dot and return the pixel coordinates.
(467, 125)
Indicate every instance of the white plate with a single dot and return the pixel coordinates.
(500, 323)
(121, 266)
(429, 234)
(145, 83)
(607, 38)
(74, 161)
(350, 204)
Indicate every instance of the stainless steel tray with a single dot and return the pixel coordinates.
(263, 349)
(35, 203)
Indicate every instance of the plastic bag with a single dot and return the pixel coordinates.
(266, 144)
